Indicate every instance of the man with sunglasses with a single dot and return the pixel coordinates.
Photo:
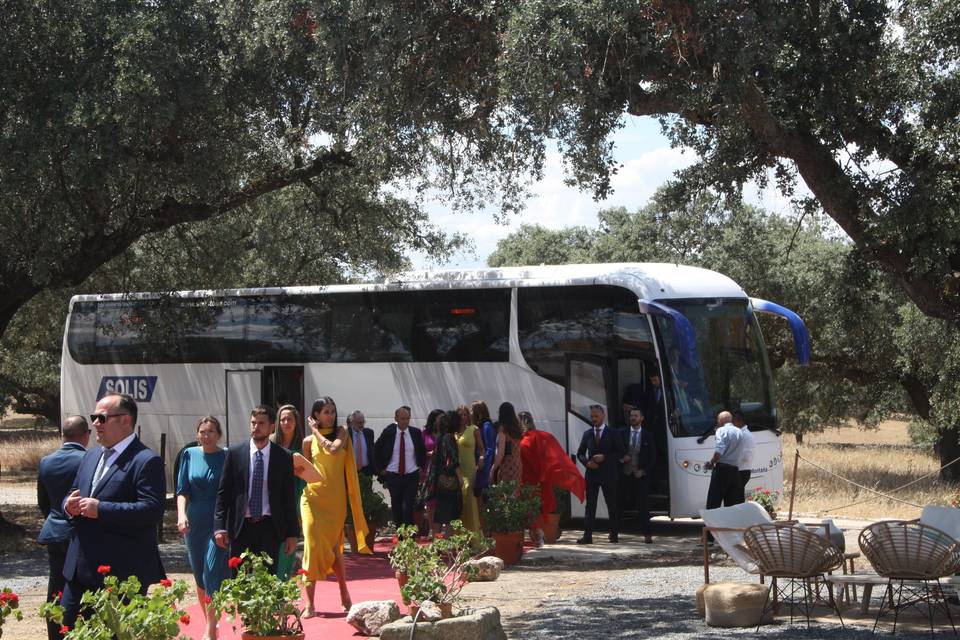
(116, 503)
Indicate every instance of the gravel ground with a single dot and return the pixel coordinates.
(658, 602)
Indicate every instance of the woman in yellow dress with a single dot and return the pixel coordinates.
(470, 448)
(323, 506)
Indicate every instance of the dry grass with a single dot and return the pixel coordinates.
(21, 452)
(879, 459)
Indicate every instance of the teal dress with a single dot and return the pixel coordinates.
(199, 480)
(285, 562)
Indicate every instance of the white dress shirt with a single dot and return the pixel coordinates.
(729, 444)
(411, 459)
(118, 448)
(265, 494)
(749, 448)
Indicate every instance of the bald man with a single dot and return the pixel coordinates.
(54, 480)
(726, 487)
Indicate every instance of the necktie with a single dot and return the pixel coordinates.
(596, 440)
(658, 395)
(403, 453)
(256, 493)
(101, 468)
(636, 439)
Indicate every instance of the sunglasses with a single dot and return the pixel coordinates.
(103, 417)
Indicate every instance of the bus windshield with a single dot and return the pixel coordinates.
(732, 373)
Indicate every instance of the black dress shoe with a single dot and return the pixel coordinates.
(648, 539)
(614, 538)
(585, 540)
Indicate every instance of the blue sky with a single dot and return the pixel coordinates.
(646, 160)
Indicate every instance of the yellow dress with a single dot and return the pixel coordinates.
(323, 509)
(466, 447)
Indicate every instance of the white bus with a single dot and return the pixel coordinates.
(551, 339)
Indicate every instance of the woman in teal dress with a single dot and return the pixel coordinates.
(197, 484)
(289, 435)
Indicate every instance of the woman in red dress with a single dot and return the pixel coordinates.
(545, 464)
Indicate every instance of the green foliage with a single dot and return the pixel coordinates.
(265, 604)
(438, 570)
(118, 611)
(510, 506)
(767, 499)
(9, 607)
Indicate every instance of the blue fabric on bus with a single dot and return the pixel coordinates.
(801, 337)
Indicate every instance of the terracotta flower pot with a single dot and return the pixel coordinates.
(551, 527)
(446, 610)
(508, 546)
(402, 580)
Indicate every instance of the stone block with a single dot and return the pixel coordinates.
(476, 624)
(488, 568)
(370, 616)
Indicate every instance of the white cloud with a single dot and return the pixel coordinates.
(555, 205)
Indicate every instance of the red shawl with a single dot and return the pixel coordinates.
(545, 463)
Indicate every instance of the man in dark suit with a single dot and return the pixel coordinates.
(255, 507)
(638, 468)
(600, 451)
(363, 445)
(57, 472)
(401, 454)
(116, 503)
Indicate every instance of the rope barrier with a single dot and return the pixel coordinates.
(874, 491)
(895, 489)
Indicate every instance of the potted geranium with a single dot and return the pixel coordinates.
(767, 499)
(436, 571)
(266, 606)
(9, 607)
(510, 509)
(118, 610)
(404, 553)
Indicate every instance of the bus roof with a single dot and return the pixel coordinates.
(649, 280)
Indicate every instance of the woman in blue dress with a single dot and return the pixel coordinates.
(197, 485)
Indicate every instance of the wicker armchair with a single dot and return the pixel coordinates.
(793, 553)
(915, 556)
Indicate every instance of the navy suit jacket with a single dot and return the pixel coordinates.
(57, 472)
(131, 492)
(235, 484)
(610, 445)
(645, 456)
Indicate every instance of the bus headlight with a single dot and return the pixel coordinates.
(685, 464)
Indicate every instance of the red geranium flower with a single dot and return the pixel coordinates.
(59, 595)
(207, 599)
(185, 619)
(12, 597)
(234, 562)
(64, 629)
(103, 569)
(394, 540)
(301, 572)
(166, 582)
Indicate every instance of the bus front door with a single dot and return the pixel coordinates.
(587, 384)
(243, 393)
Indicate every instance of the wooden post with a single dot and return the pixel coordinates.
(793, 484)
(163, 461)
(706, 556)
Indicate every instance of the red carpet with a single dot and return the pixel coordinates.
(368, 578)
